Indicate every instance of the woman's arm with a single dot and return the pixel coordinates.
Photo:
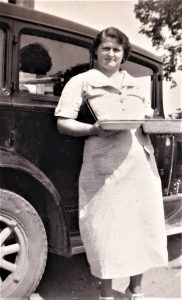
(74, 128)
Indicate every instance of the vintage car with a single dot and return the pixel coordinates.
(39, 168)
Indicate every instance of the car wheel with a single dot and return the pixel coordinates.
(23, 247)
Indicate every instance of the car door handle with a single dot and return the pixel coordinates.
(11, 138)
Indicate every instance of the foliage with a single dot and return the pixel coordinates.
(34, 58)
(162, 23)
(177, 114)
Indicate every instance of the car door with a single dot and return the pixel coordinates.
(6, 38)
(44, 59)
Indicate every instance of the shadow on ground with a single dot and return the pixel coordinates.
(174, 247)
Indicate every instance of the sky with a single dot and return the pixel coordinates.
(99, 15)
(102, 14)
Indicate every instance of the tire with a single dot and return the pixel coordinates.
(23, 243)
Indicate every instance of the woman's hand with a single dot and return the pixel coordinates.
(99, 131)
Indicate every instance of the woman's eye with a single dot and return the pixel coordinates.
(106, 49)
(116, 50)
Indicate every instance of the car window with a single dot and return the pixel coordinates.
(142, 76)
(2, 58)
(45, 64)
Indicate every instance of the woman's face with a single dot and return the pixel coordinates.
(109, 55)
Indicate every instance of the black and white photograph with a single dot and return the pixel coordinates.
(90, 150)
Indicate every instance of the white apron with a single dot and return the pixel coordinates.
(121, 213)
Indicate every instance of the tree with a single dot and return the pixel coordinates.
(34, 58)
(162, 23)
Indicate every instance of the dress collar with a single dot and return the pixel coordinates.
(98, 79)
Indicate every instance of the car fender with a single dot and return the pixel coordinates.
(56, 228)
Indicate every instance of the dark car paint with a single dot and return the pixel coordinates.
(35, 160)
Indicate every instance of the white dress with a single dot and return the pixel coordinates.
(121, 214)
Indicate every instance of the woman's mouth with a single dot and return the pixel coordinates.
(110, 60)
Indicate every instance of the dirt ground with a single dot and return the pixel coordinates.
(70, 278)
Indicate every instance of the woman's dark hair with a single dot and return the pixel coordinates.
(114, 33)
(34, 58)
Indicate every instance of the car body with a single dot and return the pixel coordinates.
(39, 168)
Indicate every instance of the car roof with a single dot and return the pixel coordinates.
(45, 19)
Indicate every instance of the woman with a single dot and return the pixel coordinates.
(120, 202)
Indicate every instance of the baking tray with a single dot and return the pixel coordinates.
(163, 126)
(121, 125)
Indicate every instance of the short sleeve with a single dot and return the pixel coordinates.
(71, 98)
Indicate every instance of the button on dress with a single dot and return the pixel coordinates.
(121, 214)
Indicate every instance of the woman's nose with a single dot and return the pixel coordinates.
(111, 52)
